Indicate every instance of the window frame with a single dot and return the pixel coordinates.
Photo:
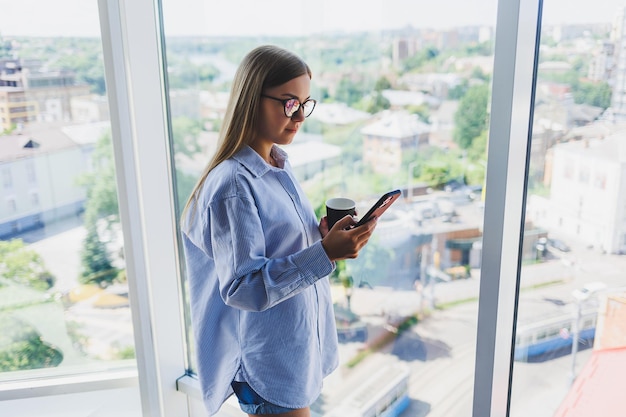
(136, 89)
(518, 28)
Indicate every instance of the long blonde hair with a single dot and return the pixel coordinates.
(264, 67)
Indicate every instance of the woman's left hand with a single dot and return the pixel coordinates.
(324, 226)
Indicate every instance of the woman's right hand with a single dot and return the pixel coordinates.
(345, 242)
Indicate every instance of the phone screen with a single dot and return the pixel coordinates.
(379, 208)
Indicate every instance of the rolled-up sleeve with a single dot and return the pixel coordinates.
(248, 278)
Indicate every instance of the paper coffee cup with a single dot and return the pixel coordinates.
(337, 208)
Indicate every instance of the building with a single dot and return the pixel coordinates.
(309, 156)
(611, 332)
(338, 114)
(404, 98)
(28, 93)
(618, 81)
(588, 192)
(602, 65)
(435, 84)
(89, 109)
(442, 124)
(402, 49)
(388, 137)
(15, 106)
(30, 196)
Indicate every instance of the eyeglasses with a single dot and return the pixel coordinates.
(292, 105)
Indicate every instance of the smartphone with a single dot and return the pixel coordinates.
(379, 208)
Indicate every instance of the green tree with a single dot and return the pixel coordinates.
(420, 58)
(475, 170)
(184, 186)
(349, 138)
(85, 60)
(478, 73)
(585, 92)
(435, 173)
(97, 267)
(470, 119)
(100, 183)
(21, 347)
(102, 204)
(458, 91)
(382, 84)
(313, 125)
(185, 132)
(483, 48)
(5, 48)
(478, 150)
(348, 91)
(23, 266)
(422, 111)
(184, 74)
(377, 102)
(594, 94)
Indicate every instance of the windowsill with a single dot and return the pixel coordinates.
(67, 384)
(190, 386)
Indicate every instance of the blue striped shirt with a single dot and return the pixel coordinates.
(261, 308)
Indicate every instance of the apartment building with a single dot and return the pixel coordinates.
(385, 140)
(30, 93)
(39, 168)
(588, 193)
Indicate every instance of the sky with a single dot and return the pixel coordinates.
(297, 17)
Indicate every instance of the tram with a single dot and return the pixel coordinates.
(553, 334)
(383, 394)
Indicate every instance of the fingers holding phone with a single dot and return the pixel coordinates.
(346, 237)
(325, 224)
(344, 241)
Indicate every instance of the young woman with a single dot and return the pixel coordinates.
(257, 258)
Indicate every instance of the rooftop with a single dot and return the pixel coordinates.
(43, 138)
(597, 390)
(396, 124)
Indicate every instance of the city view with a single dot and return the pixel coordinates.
(405, 107)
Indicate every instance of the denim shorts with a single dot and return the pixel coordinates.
(252, 403)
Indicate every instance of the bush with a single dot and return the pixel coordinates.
(21, 347)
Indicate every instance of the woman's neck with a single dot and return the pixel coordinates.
(265, 151)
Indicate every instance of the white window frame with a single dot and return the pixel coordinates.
(510, 135)
(131, 36)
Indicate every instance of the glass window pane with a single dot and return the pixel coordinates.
(402, 102)
(64, 304)
(571, 336)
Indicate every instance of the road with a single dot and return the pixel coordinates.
(440, 350)
(440, 353)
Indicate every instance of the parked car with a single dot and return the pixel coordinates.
(453, 185)
(349, 327)
(474, 192)
(558, 245)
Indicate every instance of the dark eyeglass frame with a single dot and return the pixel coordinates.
(300, 105)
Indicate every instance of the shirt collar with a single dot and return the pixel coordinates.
(255, 164)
